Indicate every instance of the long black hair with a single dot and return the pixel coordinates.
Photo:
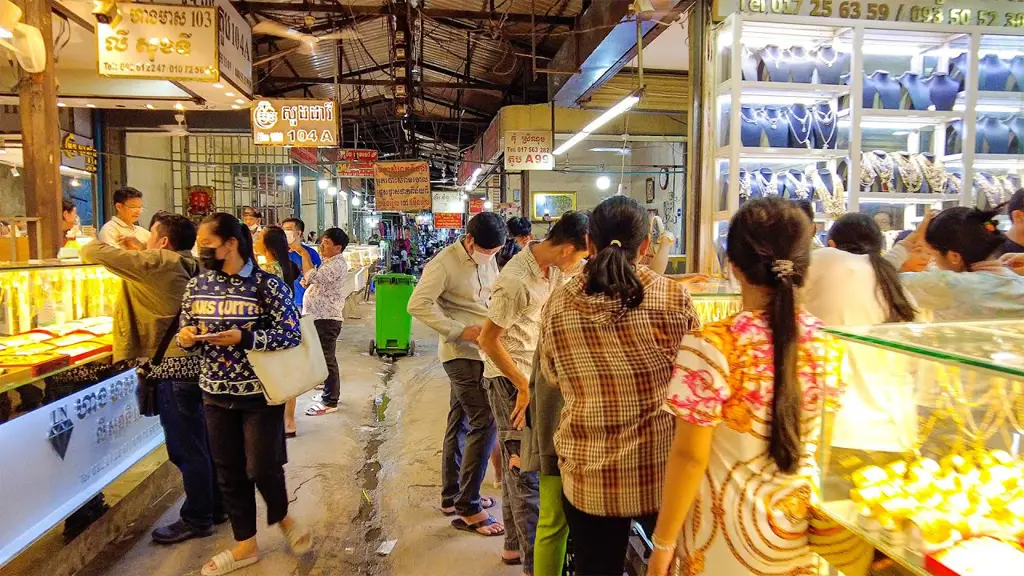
(969, 232)
(858, 233)
(276, 242)
(618, 226)
(226, 227)
(769, 243)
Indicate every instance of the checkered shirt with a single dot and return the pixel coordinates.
(613, 367)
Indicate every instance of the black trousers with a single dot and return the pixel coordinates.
(188, 446)
(468, 438)
(328, 331)
(599, 542)
(247, 442)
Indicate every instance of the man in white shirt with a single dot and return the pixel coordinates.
(509, 340)
(451, 297)
(125, 224)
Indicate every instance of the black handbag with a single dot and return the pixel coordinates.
(146, 391)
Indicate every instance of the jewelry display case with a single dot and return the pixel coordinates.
(714, 300)
(923, 458)
(861, 106)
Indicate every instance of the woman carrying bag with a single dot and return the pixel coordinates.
(234, 308)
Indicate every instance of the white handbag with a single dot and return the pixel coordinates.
(287, 373)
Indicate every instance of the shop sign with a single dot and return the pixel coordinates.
(447, 220)
(77, 152)
(66, 452)
(304, 156)
(528, 150)
(357, 156)
(294, 122)
(447, 202)
(476, 205)
(356, 163)
(402, 186)
(162, 42)
(235, 43)
(994, 13)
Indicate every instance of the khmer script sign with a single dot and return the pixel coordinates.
(160, 42)
(295, 122)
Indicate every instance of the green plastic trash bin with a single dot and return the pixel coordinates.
(393, 322)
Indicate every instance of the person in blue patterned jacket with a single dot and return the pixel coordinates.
(228, 310)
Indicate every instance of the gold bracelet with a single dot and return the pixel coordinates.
(662, 547)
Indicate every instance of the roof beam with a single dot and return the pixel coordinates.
(453, 106)
(459, 75)
(475, 85)
(385, 10)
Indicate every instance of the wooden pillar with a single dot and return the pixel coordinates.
(40, 135)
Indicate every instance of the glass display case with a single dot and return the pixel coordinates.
(714, 300)
(923, 458)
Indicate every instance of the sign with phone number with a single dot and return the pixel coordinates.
(996, 13)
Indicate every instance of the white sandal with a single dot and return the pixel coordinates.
(225, 563)
(296, 535)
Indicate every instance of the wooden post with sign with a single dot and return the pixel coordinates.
(40, 135)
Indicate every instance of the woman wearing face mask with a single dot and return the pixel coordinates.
(228, 310)
(969, 282)
(607, 342)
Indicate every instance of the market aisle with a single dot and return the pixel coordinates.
(385, 440)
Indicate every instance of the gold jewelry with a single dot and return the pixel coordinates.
(662, 547)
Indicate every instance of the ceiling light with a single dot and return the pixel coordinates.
(218, 86)
(150, 106)
(236, 107)
(289, 180)
(75, 183)
(603, 182)
(229, 94)
(239, 101)
(488, 205)
(333, 190)
(355, 201)
(179, 106)
(619, 107)
(61, 104)
(323, 184)
(901, 133)
(14, 171)
(464, 196)
(3, 150)
(90, 105)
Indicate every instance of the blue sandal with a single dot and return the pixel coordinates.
(460, 524)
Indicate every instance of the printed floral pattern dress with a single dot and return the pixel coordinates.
(749, 517)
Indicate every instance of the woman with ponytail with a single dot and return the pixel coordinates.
(747, 395)
(608, 338)
(970, 283)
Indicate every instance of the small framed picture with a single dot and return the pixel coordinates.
(649, 190)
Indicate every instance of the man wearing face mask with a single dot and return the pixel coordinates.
(451, 297)
(147, 306)
(304, 256)
(253, 220)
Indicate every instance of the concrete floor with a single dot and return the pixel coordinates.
(358, 480)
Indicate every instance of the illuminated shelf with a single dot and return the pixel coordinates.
(901, 119)
(785, 92)
(981, 161)
(30, 379)
(992, 101)
(905, 198)
(782, 155)
(842, 511)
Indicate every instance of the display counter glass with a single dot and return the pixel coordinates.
(923, 459)
(714, 300)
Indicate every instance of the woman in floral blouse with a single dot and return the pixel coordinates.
(747, 394)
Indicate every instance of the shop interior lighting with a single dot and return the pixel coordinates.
(620, 151)
(90, 105)
(150, 106)
(75, 183)
(239, 101)
(488, 205)
(15, 172)
(218, 86)
(179, 106)
(620, 107)
(229, 94)
(323, 184)
(289, 180)
(61, 104)
(464, 197)
(355, 201)
(471, 183)
(332, 190)
(603, 182)
(236, 107)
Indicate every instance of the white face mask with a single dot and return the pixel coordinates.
(481, 258)
(292, 236)
(253, 227)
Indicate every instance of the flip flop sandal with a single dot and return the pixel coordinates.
(460, 524)
(319, 409)
(512, 561)
(295, 538)
(225, 563)
(490, 504)
(291, 433)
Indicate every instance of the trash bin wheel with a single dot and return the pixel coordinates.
(412, 348)
(373, 348)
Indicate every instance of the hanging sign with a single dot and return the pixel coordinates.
(402, 186)
(77, 152)
(294, 122)
(447, 202)
(162, 42)
(528, 150)
(476, 205)
(995, 13)
(356, 163)
(447, 220)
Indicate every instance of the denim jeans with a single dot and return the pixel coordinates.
(520, 491)
(468, 438)
(328, 331)
(188, 446)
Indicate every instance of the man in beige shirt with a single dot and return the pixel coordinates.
(125, 224)
(451, 297)
(509, 340)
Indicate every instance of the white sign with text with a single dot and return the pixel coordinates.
(160, 42)
(528, 150)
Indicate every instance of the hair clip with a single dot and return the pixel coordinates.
(782, 268)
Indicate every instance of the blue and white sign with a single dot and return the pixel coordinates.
(59, 456)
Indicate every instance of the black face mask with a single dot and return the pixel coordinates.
(208, 257)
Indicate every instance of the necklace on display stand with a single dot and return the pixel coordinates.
(832, 200)
(884, 167)
(867, 172)
(822, 120)
(800, 185)
(744, 185)
(990, 188)
(803, 123)
(769, 186)
(934, 172)
(954, 183)
(910, 172)
(1009, 186)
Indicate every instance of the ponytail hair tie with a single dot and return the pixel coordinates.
(615, 243)
(990, 226)
(782, 268)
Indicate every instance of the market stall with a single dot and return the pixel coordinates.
(924, 461)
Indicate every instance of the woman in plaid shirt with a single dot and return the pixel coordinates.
(608, 340)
